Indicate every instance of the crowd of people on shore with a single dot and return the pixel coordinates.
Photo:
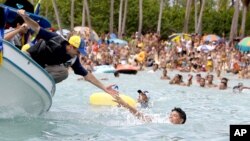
(185, 56)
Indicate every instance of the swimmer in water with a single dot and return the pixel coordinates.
(239, 88)
(143, 99)
(177, 115)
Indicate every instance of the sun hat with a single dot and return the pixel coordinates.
(79, 43)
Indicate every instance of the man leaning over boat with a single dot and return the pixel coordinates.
(55, 54)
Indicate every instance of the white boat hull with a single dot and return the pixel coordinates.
(24, 84)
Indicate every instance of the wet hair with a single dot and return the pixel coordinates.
(198, 74)
(116, 74)
(224, 81)
(181, 113)
(180, 77)
(210, 75)
(203, 79)
(139, 91)
(238, 86)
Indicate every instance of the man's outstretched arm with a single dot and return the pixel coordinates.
(133, 110)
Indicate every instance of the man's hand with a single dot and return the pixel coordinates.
(24, 28)
(111, 91)
(22, 13)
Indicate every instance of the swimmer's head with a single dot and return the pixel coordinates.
(139, 91)
(142, 96)
(177, 116)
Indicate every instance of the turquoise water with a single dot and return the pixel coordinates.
(72, 118)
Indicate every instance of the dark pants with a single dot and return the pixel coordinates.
(58, 72)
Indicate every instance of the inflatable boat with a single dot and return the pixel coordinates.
(104, 99)
(127, 69)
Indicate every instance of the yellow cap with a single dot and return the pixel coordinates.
(77, 42)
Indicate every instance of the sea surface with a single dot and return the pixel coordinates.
(209, 111)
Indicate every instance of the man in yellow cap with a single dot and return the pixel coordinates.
(55, 54)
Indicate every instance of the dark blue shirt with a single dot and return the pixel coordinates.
(45, 34)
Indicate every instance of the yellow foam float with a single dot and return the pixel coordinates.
(104, 99)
